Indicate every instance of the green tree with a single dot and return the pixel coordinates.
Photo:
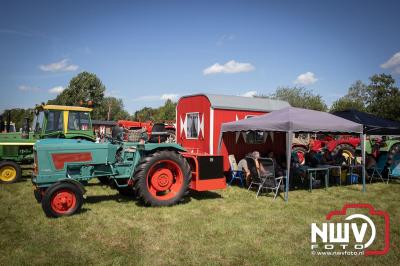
(112, 108)
(299, 97)
(356, 98)
(83, 87)
(161, 114)
(18, 115)
(383, 97)
(166, 112)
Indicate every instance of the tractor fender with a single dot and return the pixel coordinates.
(164, 146)
(74, 182)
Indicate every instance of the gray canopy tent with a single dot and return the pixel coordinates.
(292, 120)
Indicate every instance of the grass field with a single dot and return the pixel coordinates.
(228, 227)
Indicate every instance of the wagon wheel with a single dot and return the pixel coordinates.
(162, 178)
(62, 199)
(10, 172)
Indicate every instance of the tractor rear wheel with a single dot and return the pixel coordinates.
(10, 172)
(300, 152)
(62, 199)
(394, 154)
(344, 152)
(162, 178)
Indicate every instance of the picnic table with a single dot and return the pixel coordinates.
(313, 171)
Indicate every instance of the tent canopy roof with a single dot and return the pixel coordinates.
(295, 120)
(373, 125)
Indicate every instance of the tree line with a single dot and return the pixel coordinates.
(380, 96)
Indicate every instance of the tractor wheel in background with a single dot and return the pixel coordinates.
(10, 172)
(172, 135)
(162, 178)
(300, 152)
(346, 152)
(62, 199)
(394, 155)
(104, 180)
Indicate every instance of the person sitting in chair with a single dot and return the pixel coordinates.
(242, 166)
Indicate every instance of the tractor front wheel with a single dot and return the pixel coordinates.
(10, 172)
(62, 199)
(344, 152)
(163, 178)
(300, 153)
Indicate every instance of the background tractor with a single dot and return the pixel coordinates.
(386, 152)
(50, 121)
(160, 174)
(343, 146)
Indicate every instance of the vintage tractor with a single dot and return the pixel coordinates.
(160, 174)
(386, 153)
(343, 146)
(50, 121)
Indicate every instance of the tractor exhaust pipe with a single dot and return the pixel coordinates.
(25, 129)
(8, 125)
(2, 125)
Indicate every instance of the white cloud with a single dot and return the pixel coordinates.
(56, 90)
(307, 78)
(230, 67)
(393, 62)
(249, 94)
(170, 96)
(28, 88)
(61, 66)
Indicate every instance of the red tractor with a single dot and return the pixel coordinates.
(344, 145)
(148, 127)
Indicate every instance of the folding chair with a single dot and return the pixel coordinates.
(378, 170)
(235, 172)
(264, 177)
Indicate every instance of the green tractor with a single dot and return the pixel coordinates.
(50, 121)
(386, 152)
(159, 174)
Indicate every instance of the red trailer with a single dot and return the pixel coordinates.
(199, 118)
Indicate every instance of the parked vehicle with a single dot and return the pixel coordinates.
(160, 174)
(50, 121)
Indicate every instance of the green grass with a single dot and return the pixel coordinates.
(228, 227)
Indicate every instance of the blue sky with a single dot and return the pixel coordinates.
(147, 51)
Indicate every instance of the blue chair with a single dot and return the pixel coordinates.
(234, 171)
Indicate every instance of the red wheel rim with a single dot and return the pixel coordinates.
(63, 201)
(164, 179)
(300, 156)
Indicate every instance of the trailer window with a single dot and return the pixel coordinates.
(79, 121)
(54, 121)
(255, 137)
(192, 126)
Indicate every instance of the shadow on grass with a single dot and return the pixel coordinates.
(204, 195)
(115, 197)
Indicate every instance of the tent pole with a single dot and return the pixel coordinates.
(289, 138)
(220, 143)
(363, 140)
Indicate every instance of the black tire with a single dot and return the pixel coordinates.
(340, 150)
(394, 151)
(172, 134)
(12, 172)
(303, 150)
(53, 191)
(158, 160)
(104, 180)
